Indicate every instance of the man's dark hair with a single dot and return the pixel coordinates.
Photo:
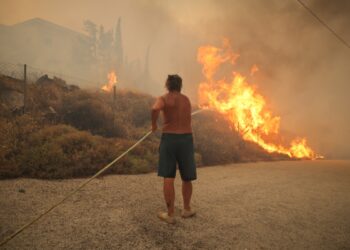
(174, 83)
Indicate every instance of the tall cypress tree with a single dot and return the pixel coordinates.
(118, 45)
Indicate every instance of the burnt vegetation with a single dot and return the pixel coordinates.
(68, 132)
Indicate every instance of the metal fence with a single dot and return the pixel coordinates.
(12, 70)
(34, 73)
(27, 74)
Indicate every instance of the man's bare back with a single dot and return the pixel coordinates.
(176, 109)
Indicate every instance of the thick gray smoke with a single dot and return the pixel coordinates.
(304, 69)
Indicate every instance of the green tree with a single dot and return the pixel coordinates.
(118, 45)
(91, 30)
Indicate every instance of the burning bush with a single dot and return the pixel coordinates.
(218, 143)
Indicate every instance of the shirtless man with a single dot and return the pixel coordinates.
(176, 146)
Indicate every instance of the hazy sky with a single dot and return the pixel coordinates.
(104, 12)
(304, 70)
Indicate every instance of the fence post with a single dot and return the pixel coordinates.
(24, 88)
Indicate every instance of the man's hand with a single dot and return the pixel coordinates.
(154, 127)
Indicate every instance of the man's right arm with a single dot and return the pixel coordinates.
(157, 107)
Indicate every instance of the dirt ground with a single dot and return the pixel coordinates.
(271, 205)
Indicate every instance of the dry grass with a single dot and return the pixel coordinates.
(69, 132)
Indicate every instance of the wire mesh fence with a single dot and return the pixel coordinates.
(12, 70)
(33, 74)
(15, 81)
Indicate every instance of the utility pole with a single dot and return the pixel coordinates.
(24, 88)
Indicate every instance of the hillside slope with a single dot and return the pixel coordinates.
(46, 45)
(68, 132)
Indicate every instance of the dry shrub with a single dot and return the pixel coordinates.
(42, 96)
(198, 158)
(35, 146)
(136, 106)
(85, 112)
(61, 151)
(14, 134)
(142, 159)
(218, 143)
(8, 167)
(93, 112)
(214, 139)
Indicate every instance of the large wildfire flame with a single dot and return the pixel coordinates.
(240, 103)
(112, 80)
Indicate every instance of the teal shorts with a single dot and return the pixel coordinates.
(177, 149)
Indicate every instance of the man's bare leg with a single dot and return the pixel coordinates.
(169, 195)
(186, 194)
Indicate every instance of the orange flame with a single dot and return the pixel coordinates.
(254, 69)
(112, 80)
(242, 105)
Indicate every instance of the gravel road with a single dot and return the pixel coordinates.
(269, 205)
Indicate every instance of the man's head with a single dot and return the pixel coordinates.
(174, 83)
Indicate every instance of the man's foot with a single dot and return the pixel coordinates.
(187, 213)
(165, 217)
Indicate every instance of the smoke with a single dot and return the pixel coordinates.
(303, 68)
